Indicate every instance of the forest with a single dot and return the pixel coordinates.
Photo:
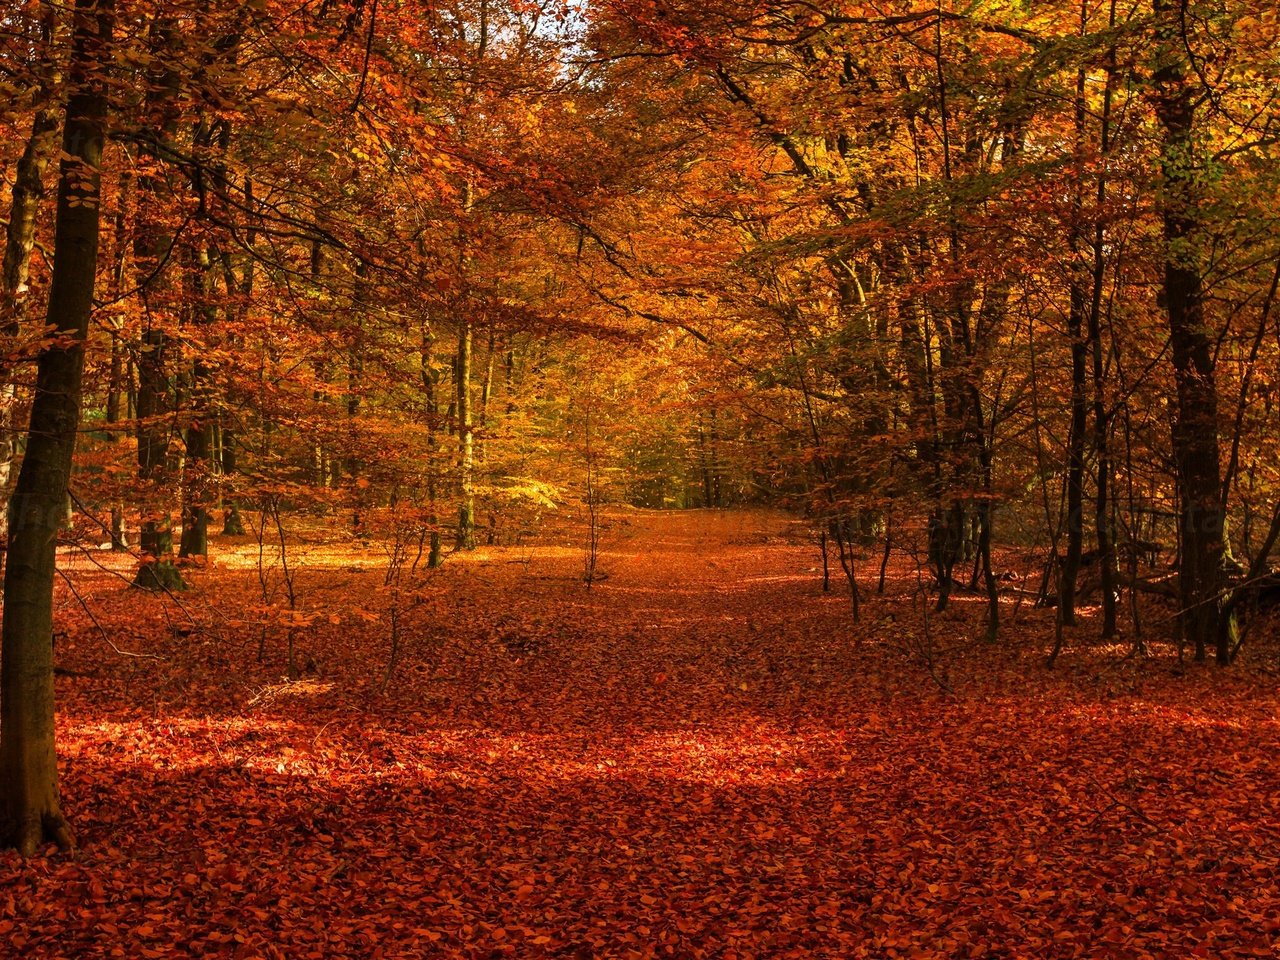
(640, 478)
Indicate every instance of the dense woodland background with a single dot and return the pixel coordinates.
(993, 272)
(984, 294)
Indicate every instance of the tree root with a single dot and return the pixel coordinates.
(29, 833)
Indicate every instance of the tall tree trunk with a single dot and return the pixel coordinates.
(199, 465)
(1068, 567)
(118, 370)
(947, 521)
(430, 379)
(1101, 419)
(1076, 436)
(30, 805)
(20, 236)
(1086, 343)
(200, 468)
(716, 496)
(923, 416)
(486, 394)
(1102, 500)
(1207, 620)
(232, 523)
(985, 511)
(153, 250)
(355, 385)
(947, 532)
(119, 541)
(704, 464)
(155, 404)
(196, 478)
(319, 465)
(466, 452)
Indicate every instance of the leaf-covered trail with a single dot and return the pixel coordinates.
(696, 758)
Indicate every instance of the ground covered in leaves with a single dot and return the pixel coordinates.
(698, 757)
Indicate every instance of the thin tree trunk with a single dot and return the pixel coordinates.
(430, 380)
(486, 392)
(355, 385)
(153, 249)
(155, 403)
(119, 541)
(466, 452)
(117, 385)
(985, 513)
(704, 465)
(1101, 422)
(199, 467)
(836, 523)
(233, 523)
(1069, 572)
(715, 495)
(1077, 306)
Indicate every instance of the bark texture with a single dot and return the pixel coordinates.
(1206, 618)
(30, 807)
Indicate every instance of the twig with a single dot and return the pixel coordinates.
(89, 613)
(135, 556)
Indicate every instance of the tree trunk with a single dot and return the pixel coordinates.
(1102, 447)
(30, 806)
(486, 394)
(117, 382)
(1070, 571)
(232, 523)
(355, 385)
(28, 192)
(155, 401)
(119, 540)
(1206, 618)
(430, 379)
(704, 465)
(466, 454)
(199, 475)
(715, 496)
(200, 465)
(985, 513)
(1101, 419)
(153, 249)
(195, 483)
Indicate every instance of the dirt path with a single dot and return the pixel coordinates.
(692, 759)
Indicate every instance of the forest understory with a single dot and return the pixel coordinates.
(698, 756)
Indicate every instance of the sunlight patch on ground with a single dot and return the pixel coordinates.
(292, 688)
(757, 756)
(178, 743)
(782, 578)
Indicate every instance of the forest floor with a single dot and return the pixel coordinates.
(700, 756)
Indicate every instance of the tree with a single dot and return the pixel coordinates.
(1206, 617)
(20, 234)
(32, 810)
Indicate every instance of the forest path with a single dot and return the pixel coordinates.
(697, 757)
(681, 625)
